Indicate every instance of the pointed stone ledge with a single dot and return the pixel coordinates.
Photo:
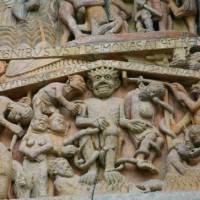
(139, 196)
(57, 71)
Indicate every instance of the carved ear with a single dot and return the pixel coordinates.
(89, 84)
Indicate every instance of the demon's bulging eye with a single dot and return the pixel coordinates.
(108, 77)
(98, 77)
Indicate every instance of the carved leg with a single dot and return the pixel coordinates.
(144, 151)
(163, 23)
(38, 176)
(90, 177)
(190, 20)
(21, 185)
(65, 36)
(173, 7)
(41, 186)
(118, 25)
(69, 21)
(111, 147)
(157, 149)
(66, 13)
(174, 160)
(4, 182)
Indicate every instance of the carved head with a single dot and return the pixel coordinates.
(40, 123)
(20, 113)
(194, 135)
(154, 89)
(75, 86)
(195, 90)
(61, 167)
(103, 81)
(58, 123)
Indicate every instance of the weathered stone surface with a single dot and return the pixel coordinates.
(136, 196)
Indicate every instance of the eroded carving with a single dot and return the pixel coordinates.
(103, 112)
(46, 100)
(140, 122)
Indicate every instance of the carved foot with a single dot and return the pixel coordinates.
(146, 165)
(113, 177)
(89, 178)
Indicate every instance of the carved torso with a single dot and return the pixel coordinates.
(108, 108)
(141, 109)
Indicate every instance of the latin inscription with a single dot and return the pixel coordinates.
(101, 48)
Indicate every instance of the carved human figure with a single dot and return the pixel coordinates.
(146, 12)
(164, 21)
(140, 121)
(65, 181)
(183, 153)
(5, 171)
(104, 17)
(13, 115)
(66, 14)
(193, 105)
(58, 133)
(35, 144)
(143, 17)
(21, 187)
(55, 95)
(188, 10)
(120, 13)
(104, 113)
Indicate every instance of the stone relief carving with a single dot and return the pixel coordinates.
(140, 119)
(78, 117)
(63, 22)
(105, 113)
(57, 145)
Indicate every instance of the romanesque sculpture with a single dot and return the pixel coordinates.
(103, 112)
(66, 15)
(187, 10)
(46, 100)
(5, 171)
(77, 116)
(192, 105)
(143, 16)
(34, 146)
(65, 180)
(14, 115)
(140, 119)
(182, 154)
(21, 8)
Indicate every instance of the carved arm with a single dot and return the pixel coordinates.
(33, 153)
(17, 129)
(84, 122)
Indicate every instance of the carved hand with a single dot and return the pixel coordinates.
(18, 130)
(137, 126)
(69, 150)
(101, 123)
(74, 108)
